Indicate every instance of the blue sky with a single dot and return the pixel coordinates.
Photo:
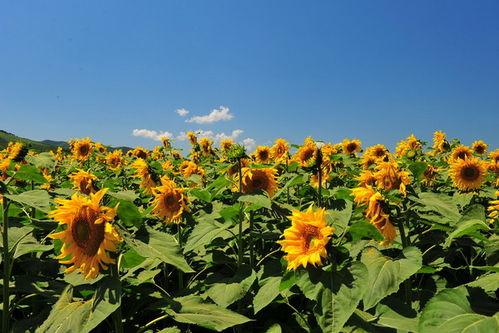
(376, 70)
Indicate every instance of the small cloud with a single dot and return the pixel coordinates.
(151, 134)
(222, 113)
(216, 137)
(182, 112)
(249, 144)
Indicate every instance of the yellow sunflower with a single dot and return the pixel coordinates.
(226, 144)
(408, 146)
(389, 177)
(140, 152)
(16, 151)
(82, 149)
(192, 137)
(493, 209)
(165, 141)
(305, 241)
(257, 180)
(262, 154)
(84, 182)
(493, 164)
(144, 173)
(206, 146)
(169, 201)
(4, 166)
(88, 234)
(189, 168)
(114, 160)
(279, 151)
(430, 175)
(366, 177)
(467, 174)
(307, 153)
(378, 151)
(440, 143)
(351, 146)
(460, 153)
(479, 147)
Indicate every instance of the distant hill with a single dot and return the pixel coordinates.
(45, 145)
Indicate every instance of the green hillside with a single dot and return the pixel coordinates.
(46, 145)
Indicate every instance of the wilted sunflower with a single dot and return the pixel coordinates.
(305, 241)
(467, 174)
(169, 201)
(88, 233)
(389, 177)
(366, 177)
(82, 149)
(262, 154)
(479, 147)
(351, 146)
(84, 182)
(307, 153)
(430, 175)
(460, 152)
(279, 151)
(114, 160)
(145, 173)
(257, 180)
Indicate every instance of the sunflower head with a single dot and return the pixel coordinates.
(440, 143)
(390, 177)
(306, 155)
(408, 146)
(460, 152)
(145, 173)
(140, 152)
(82, 149)
(193, 139)
(351, 146)
(378, 151)
(467, 174)
(279, 151)
(169, 201)
(257, 180)
(430, 175)
(114, 160)
(206, 146)
(165, 141)
(262, 154)
(479, 147)
(84, 181)
(16, 151)
(305, 241)
(88, 235)
(226, 143)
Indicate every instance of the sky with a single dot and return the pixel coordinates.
(126, 72)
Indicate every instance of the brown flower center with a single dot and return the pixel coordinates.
(310, 233)
(263, 155)
(84, 149)
(351, 147)
(87, 235)
(470, 173)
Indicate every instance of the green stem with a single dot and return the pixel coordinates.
(6, 266)
(240, 235)
(251, 239)
(180, 273)
(117, 316)
(405, 243)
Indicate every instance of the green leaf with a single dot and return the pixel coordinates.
(204, 232)
(38, 199)
(466, 228)
(129, 214)
(339, 300)
(386, 274)
(224, 293)
(440, 203)
(257, 200)
(42, 160)
(22, 242)
(489, 282)
(201, 194)
(274, 328)
(160, 246)
(207, 315)
(268, 291)
(390, 318)
(124, 195)
(362, 229)
(450, 311)
(30, 173)
(340, 218)
(417, 169)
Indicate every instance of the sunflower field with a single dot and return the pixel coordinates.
(317, 237)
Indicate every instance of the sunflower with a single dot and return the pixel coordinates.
(429, 175)
(257, 180)
(305, 241)
(408, 146)
(368, 161)
(169, 201)
(189, 168)
(262, 154)
(493, 209)
(206, 146)
(88, 233)
(16, 151)
(351, 146)
(145, 173)
(479, 147)
(234, 168)
(84, 182)
(100, 147)
(378, 151)
(140, 152)
(226, 143)
(460, 153)
(4, 166)
(279, 151)
(440, 143)
(165, 141)
(82, 149)
(467, 174)
(366, 177)
(307, 153)
(493, 164)
(58, 154)
(192, 138)
(389, 177)
(114, 160)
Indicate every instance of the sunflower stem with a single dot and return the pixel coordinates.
(6, 266)
(240, 234)
(117, 316)
(180, 273)
(251, 258)
(405, 243)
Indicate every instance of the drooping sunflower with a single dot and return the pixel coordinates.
(144, 173)
(460, 152)
(351, 146)
(114, 160)
(467, 174)
(169, 201)
(430, 175)
(390, 177)
(84, 181)
(82, 149)
(257, 180)
(307, 153)
(305, 241)
(279, 151)
(262, 154)
(88, 233)
(479, 147)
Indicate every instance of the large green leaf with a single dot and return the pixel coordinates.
(129, 214)
(42, 160)
(38, 199)
(440, 203)
(466, 228)
(450, 311)
(386, 274)
(268, 291)
(30, 173)
(22, 242)
(257, 201)
(388, 317)
(194, 311)
(226, 292)
(339, 300)
(340, 218)
(161, 246)
(488, 282)
(204, 232)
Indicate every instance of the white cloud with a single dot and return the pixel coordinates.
(155, 135)
(212, 135)
(222, 113)
(249, 144)
(182, 112)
